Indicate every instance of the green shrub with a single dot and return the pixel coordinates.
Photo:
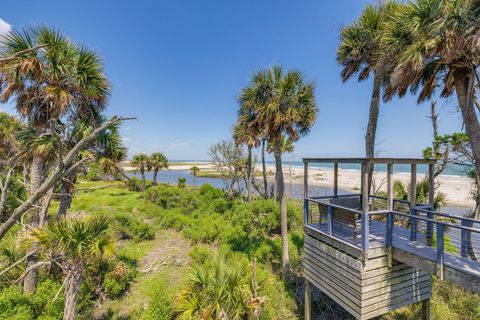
(131, 227)
(15, 305)
(133, 184)
(209, 192)
(117, 280)
(43, 300)
(169, 197)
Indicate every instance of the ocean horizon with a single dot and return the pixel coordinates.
(451, 169)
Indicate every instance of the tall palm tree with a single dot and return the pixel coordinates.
(435, 45)
(140, 162)
(359, 53)
(157, 162)
(246, 133)
(49, 77)
(194, 171)
(282, 103)
(77, 244)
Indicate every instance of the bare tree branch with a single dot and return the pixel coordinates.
(65, 167)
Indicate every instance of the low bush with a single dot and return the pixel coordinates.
(117, 280)
(131, 227)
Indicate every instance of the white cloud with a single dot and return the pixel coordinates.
(4, 26)
(127, 139)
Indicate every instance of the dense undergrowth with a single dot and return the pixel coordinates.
(223, 239)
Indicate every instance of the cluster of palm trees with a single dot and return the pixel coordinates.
(144, 163)
(426, 47)
(60, 90)
(276, 106)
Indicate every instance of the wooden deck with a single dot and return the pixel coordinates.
(461, 271)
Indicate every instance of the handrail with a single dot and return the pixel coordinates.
(334, 205)
(446, 215)
(447, 224)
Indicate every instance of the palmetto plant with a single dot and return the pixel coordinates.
(360, 53)
(281, 103)
(194, 171)
(157, 162)
(140, 162)
(435, 46)
(76, 244)
(218, 290)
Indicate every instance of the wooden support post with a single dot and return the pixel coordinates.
(305, 211)
(308, 300)
(426, 309)
(329, 219)
(440, 250)
(431, 203)
(335, 179)
(389, 187)
(431, 186)
(389, 214)
(464, 238)
(365, 217)
(413, 202)
(305, 179)
(305, 192)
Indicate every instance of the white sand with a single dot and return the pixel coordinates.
(457, 188)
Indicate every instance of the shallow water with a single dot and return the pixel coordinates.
(293, 191)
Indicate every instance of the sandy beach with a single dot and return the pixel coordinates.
(457, 188)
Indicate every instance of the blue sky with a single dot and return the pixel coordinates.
(179, 65)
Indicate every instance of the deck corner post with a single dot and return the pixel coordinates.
(426, 309)
(305, 211)
(389, 240)
(429, 228)
(440, 251)
(308, 300)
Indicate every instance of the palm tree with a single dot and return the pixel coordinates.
(435, 45)
(77, 244)
(246, 133)
(157, 162)
(49, 77)
(140, 162)
(194, 170)
(359, 53)
(181, 183)
(282, 103)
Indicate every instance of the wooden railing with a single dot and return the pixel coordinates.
(447, 234)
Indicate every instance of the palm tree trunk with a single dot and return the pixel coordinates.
(249, 175)
(36, 172)
(194, 179)
(470, 119)
(372, 126)
(142, 172)
(155, 172)
(283, 210)
(72, 288)
(66, 194)
(264, 170)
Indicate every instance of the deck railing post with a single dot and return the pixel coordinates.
(440, 250)
(305, 211)
(329, 220)
(429, 228)
(464, 238)
(413, 224)
(389, 238)
(365, 232)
